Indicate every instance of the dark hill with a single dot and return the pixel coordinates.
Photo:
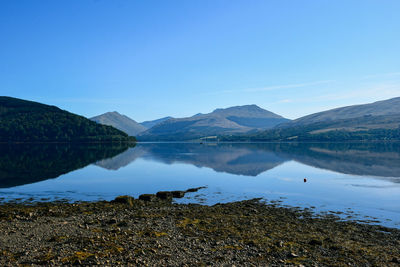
(27, 121)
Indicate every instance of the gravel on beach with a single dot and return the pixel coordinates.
(153, 231)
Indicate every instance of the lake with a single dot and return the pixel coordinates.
(357, 181)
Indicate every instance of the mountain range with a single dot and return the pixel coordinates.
(27, 121)
(374, 121)
(239, 119)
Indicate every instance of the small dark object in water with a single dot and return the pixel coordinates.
(305, 180)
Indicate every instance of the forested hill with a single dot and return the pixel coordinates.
(27, 121)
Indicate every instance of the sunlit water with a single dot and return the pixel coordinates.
(353, 181)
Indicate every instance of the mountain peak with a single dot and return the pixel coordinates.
(121, 122)
(242, 107)
(245, 111)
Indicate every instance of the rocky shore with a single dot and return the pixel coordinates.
(153, 231)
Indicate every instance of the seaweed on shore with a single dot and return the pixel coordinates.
(159, 232)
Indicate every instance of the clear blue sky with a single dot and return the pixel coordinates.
(149, 59)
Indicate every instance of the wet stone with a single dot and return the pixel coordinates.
(191, 190)
(315, 242)
(148, 197)
(164, 194)
(395, 260)
(124, 200)
(178, 194)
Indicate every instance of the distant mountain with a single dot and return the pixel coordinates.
(378, 109)
(375, 121)
(27, 121)
(121, 122)
(150, 124)
(232, 120)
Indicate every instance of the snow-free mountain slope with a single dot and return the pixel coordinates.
(121, 122)
(239, 119)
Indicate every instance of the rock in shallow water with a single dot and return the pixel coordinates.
(178, 194)
(124, 200)
(164, 195)
(148, 197)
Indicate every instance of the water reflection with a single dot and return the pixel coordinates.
(239, 159)
(29, 163)
(252, 159)
(364, 159)
(24, 164)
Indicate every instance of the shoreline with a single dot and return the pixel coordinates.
(154, 231)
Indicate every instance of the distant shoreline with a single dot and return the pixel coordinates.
(269, 142)
(202, 142)
(78, 142)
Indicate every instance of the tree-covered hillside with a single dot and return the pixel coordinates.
(27, 121)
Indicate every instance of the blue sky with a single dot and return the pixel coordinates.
(149, 59)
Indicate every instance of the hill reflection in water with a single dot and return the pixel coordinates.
(22, 164)
(239, 159)
(25, 164)
(252, 159)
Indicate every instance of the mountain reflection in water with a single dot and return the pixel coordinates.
(24, 164)
(239, 159)
(251, 159)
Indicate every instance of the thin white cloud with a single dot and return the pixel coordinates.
(381, 75)
(92, 100)
(287, 86)
(271, 88)
(363, 94)
(373, 92)
(285, 101)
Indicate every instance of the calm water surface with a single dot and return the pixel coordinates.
(353, 181)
